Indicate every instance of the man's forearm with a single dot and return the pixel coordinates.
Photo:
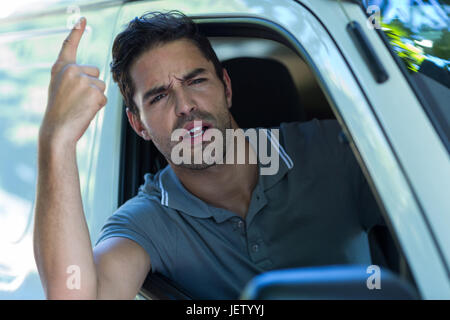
(61, 236)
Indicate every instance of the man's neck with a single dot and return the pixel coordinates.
(228, 186)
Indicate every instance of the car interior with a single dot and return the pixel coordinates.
(265, 71)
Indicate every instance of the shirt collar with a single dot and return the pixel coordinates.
(174, 195)
(285, 163)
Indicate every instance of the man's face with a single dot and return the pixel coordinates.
(175, 85)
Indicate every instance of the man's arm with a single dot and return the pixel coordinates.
(61, 236)
(122, 266)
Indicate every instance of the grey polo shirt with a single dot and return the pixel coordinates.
(316, 210)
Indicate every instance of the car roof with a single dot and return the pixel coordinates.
(34, 8)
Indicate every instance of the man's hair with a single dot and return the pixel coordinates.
(148, 31)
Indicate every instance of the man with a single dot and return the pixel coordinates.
(209, 227)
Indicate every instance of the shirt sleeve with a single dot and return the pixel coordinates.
(133, 221)
(368, 209)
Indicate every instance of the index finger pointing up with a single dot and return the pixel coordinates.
(69, 48)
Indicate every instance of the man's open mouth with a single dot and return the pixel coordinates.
(196, 129)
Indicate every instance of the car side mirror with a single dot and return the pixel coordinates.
(349, 282)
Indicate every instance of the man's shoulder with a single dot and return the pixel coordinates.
(309, 128)
(310, 134)
(147, 202)
(139, 209)
(152, 188)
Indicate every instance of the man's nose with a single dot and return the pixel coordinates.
(184, 104)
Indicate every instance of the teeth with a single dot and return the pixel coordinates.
(198, 134)
(195, 129)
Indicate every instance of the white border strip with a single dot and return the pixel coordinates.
(164, 194)
(287, 160)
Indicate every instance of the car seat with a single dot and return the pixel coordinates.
(264, 93)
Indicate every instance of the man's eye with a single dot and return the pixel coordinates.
(197, 81)
(157, 98)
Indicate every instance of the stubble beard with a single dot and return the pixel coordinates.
(221, 123)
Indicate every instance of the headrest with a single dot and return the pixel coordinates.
(264, 94)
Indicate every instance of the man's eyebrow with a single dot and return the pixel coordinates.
(194, 73)
(155, 90)
(152, 92)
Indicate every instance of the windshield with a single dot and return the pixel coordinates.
(418, 31)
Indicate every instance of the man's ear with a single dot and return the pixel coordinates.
(137, 125)
(228, 90)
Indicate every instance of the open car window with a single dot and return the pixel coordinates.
(245, 56)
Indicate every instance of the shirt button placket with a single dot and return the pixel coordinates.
(256, 250)
(239, 226)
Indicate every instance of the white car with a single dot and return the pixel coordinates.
(330, 59)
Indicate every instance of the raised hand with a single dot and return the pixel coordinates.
(75, 94)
